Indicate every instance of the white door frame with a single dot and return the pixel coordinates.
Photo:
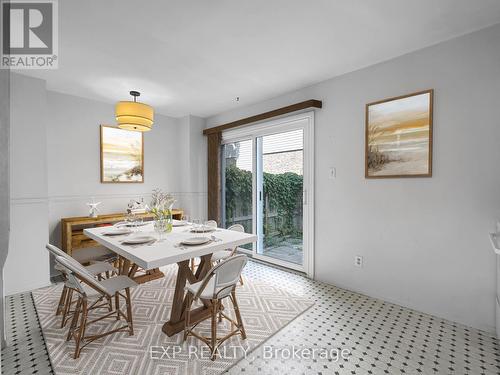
(303, 121)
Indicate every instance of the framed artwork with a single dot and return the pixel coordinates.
(398, 136)
(122, 155)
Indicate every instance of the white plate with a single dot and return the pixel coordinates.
(179, 223)
(196, 241)
(132, 225)
(116, 231)
(203, 230)
(138, 240)
(138, 224)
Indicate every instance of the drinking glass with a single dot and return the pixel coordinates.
(196, 224)
(185, 219)
(131, 219)
(137, 222)
(159, 226)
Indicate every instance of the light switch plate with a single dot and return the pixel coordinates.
(333, 173)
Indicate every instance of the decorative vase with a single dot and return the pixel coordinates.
(159, 225)
(168, 220)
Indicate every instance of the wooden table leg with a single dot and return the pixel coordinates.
(153, 274)
(124, 266)
(132, 271)
(176, 322)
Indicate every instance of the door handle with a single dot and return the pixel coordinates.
(304, 197)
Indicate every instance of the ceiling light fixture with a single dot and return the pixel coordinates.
(134, 115)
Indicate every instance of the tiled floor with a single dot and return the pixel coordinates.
(381, 338)
(25, 352)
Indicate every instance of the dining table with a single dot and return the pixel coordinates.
(166, 249)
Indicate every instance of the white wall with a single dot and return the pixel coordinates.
(73, 150)
(55, 168)
(174, 157)
(4, 185)
(424, 240)
(27, 265)
(193, 165)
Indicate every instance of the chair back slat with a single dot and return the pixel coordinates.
(72, 281)
(229, 271)
(237, 228)
(211, 223)
(79, 271)
(55, 251)
(226, 274)
(59, 253)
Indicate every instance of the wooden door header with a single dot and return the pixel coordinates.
(312, 103)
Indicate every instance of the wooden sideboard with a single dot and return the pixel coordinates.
(73, 238)
(72, 228)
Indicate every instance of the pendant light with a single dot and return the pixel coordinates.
(134, 115)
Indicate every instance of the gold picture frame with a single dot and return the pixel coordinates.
(122, 155)
(398, 136)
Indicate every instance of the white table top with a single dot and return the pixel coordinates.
(167, 252)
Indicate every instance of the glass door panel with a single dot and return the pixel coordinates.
(279, 185)
(237, 180)
(267, 180)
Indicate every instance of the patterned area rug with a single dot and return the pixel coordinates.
(265, 310)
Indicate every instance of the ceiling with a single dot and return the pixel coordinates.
(196, 56)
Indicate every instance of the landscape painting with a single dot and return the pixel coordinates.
(122, 155)
(399, 137)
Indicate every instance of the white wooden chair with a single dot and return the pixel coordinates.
(208, 223)
(106, 289)
(94, 254)
(211, 223)
(224, 254)
(98, 269)
(219, 284)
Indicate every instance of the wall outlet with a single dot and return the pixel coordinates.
(358, 261)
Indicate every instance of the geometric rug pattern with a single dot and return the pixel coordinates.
(265, 309)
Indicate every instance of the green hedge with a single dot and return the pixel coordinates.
(282, 192)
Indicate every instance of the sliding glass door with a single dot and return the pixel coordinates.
(237, 182)
(267, 180)
(280, 186)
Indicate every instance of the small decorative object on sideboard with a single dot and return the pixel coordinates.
(137, 207)
(161, 208)
(93, 207)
